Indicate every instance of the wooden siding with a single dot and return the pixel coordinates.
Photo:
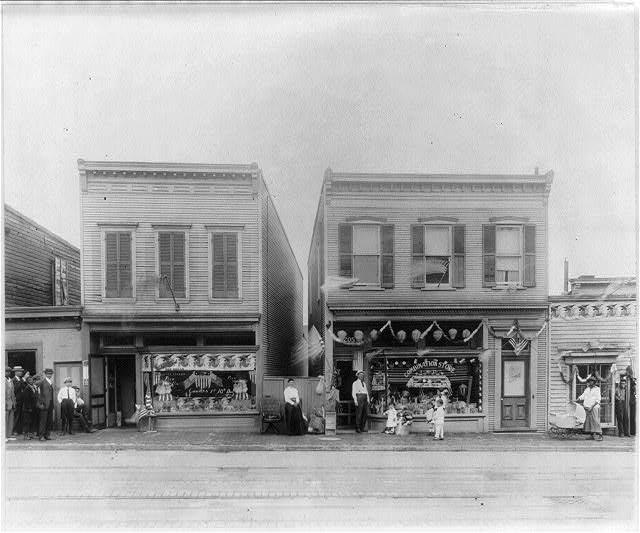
(282, 296)
(29, 250)
(147, 201)
(403, 211)
(575, 333)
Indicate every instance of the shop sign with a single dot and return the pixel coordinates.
(430, 364)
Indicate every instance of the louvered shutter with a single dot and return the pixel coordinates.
(345, 249)
(219, 285)
(164, 256)
(457, 271)
(529, 256)
(178, 262)
(64, 285)
(124, 265)
(386, 248)
(231, 256)
(489, 255)
(111, 260)
(417, 256)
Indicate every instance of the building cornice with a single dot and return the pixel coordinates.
(165, 169)
(67, 312)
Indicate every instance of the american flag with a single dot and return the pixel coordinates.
(147, 408)
(518, 344)
(436, 266)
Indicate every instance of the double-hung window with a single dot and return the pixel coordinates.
(226, 267)
(607, 388)
(509, 253)
(366, 253)
(118, 264)
(437, 252)
(172, 264)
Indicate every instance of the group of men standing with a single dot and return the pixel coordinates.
(29, 404)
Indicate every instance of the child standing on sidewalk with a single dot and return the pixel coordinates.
(391, 419)
(438, 420)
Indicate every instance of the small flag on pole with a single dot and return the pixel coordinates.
(436, 266)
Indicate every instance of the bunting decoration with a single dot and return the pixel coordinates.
(516, 337)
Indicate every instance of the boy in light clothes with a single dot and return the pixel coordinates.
(391, 419)
(438, 420)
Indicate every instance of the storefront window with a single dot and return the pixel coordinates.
(416, 382)
(192, 383)
(601, 370)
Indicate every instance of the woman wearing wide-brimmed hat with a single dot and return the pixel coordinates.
(590, 400)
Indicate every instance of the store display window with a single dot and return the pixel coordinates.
(416, 383)
(192, 383)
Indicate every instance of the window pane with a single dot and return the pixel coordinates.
(366, 268)
(438, 241)
(437, 270)
(507, 263)
(366, 240)
(508, 240)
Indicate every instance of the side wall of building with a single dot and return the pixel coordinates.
(282, 297)
(29, 252)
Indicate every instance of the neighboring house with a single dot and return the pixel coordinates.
(191, 291)
(431, 282)
(593, 329)
(43, 317)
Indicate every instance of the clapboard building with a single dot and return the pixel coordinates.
(430, 282)
(191, 292)
(43, 317)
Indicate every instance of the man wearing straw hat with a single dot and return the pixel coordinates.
(361, 399)
(590, 400)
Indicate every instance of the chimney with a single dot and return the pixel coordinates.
(566, 276)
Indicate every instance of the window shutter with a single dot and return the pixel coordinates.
(64, 286)
(458, 257)
(218, 267)
(164, 253)
(111, 260)
(417, 257)
(345, 249)
(231, 253)
(178, 260)
(57, 267)
(386, 247)
(489, 255)
(529, 256)
(124, 265)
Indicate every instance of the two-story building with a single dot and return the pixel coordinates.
(432, 282)
(191, 292)
(43, 317)
(593, 331)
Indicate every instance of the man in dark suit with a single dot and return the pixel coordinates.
(19, 384)
(45, 405)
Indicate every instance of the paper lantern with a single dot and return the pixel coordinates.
(437, 334)
(465, 333)
(452, 333)
(359, 335)
(373, 334)
(404, 363)
(415, 335)
(342, 334)
(401, 335)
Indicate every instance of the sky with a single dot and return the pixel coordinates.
(375, 87)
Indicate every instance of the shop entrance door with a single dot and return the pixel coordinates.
(346, 410)
(120, 389)
(97, 390)
(515, 392)
(61, 371)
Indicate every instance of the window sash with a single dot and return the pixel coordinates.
(607, 389)
(508, 254)
(438, 257)
(366, 253)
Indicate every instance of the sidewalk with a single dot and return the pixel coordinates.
(130, 439)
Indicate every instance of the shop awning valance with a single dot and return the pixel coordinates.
(218, 361)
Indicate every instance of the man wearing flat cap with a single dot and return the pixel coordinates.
(361, 399)
(45, 405)
(590, 400)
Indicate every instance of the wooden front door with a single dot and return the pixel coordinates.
(515, 392)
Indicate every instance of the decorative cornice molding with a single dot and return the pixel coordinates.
(506, 220)
(421, 187)
(352, 219)
(433, 220)
(592, 310)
